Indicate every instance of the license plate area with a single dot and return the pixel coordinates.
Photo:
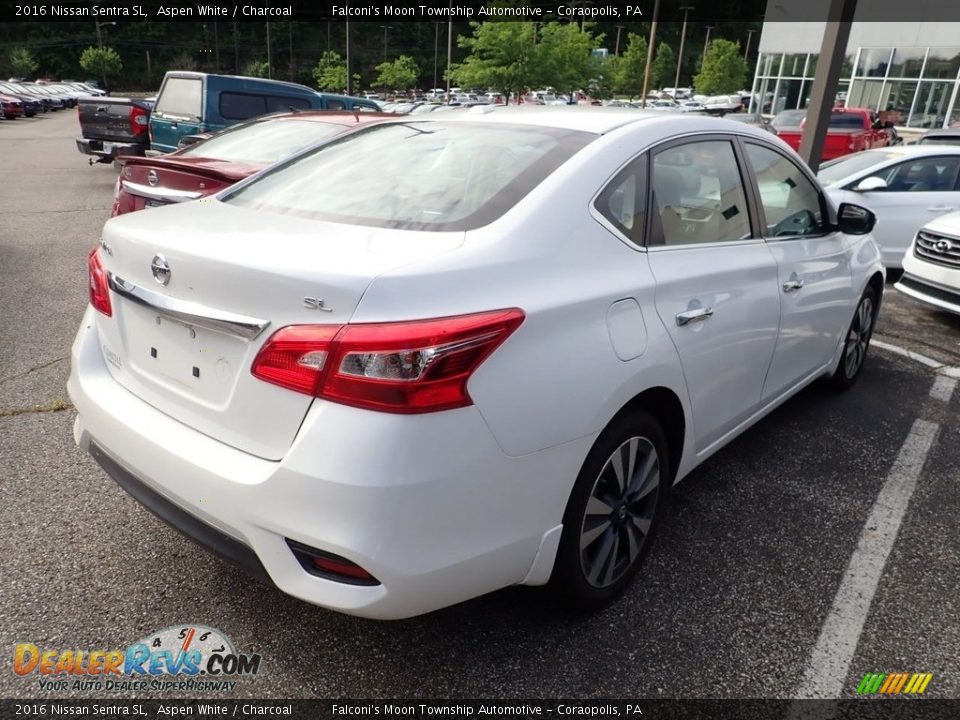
(192, 361)
(147, 204)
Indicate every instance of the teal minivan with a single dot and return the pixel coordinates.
(193, 102)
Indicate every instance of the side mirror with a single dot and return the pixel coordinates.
(889, 124)
(855, 220)
(871, 183)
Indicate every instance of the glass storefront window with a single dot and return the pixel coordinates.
(896, 101)
(874, 62)
(907, 62)
(943, 63)
(865, 94)
(930, 110)
(770, 64)
(788, 95)
(793, 65)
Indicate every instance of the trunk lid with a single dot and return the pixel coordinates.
(160, 181)
(235, 277)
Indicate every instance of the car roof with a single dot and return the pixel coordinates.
(907, 151)
(591, 119)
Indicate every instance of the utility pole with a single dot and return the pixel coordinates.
(216, 47)
(349, 61)
(436, 51)
(749, 36)
(706, 45)
(98, 25)
(269, 55)
(236, 48)
(653, 37)
(683, 36)
(616, 50)
(449, 49)
(385, 28)
(290, 40)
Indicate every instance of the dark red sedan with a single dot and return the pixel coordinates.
(219, 161)
(10, 107)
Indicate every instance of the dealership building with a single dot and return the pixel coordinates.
(910, 71)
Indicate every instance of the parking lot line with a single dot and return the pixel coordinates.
(826, 673)
(943, 388)
(897, 350)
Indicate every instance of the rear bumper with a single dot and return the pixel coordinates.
(428, 504)
(107, 149)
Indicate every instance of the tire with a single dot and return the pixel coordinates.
(856, 341)
(601, 551)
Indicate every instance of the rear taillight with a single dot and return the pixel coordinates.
(401, 367)
(138, 120)
(99, 288)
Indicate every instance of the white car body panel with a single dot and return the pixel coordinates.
(445, 506)
(932, 282)
(899, 214)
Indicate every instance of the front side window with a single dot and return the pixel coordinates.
(417, 175)
(698, 195)
(791, 203)
(181, 97)
(928, 174)
(623, 201)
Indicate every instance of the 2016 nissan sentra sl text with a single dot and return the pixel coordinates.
(433, 358)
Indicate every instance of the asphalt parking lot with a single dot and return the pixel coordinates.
(758, 586)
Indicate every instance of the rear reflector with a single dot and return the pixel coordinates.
(330, 566)
(99, 289)
(401, 367)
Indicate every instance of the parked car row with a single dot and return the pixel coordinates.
(27, 99)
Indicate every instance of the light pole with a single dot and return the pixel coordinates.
(449, 49)
(98, 25)
(616, 50)
(349, 60)
(683, 36)
(706, 44)
(653, 37)
(749, 36)
(436, 52)
(269, 55)
(385, 28)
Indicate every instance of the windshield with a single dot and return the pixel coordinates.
(417, 175)
(850, 165)
(940, 140)
(263, 142)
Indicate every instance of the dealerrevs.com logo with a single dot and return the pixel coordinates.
(894, 683)
(187, 658)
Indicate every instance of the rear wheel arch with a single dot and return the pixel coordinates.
(664, 405)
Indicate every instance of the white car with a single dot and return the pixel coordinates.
(905, 186)
(931, 266)
(484, 364)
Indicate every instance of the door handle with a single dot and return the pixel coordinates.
(697, 315)
(792, 285)
(940, 208)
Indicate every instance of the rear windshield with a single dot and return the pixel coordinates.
(417, 175)
(263, 142)
(790, 118)
(843, 120)
(181, 97)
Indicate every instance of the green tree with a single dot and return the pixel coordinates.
(664, 67)
(183, 61)
(257, 68)
(101, 62)
(603, 73)
(629, 68)
(562, 57)
(501, 57)
(330, 72)
(723, 71)
(22, 63)
(401, 74)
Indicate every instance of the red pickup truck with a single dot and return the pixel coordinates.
(851, 130)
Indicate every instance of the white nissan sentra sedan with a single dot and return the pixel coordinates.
(437, 357)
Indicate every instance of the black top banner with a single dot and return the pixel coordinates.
(472, 10)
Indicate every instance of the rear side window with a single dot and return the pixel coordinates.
(240, 106)
(698, 195)
(181, 97)
(283, 103)
(335, 105)
(429, 175)
(623, 201)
